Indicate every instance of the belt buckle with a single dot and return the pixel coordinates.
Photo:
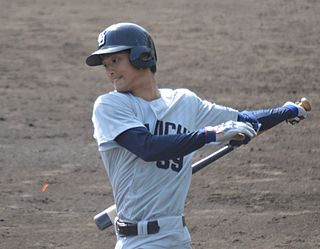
(122, 228)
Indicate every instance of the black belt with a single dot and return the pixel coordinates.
(131, 229)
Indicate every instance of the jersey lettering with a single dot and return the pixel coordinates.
(169, 127)
(175, 164)
(158, 130)
(164, 128)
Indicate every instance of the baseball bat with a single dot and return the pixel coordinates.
(105, 218)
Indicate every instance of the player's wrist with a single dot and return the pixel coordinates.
(292, 108)
(209, 134)
(249, 117)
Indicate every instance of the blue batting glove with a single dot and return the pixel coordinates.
(298, 112)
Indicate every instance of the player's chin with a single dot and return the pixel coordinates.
(119, 88)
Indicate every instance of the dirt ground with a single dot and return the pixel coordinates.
(245, 54)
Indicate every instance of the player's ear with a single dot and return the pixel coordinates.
(141, 57)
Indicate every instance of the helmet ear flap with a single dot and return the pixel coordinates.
(142, 57)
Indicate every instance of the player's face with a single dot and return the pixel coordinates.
(124, 77)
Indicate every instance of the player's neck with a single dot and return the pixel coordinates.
(148, 89)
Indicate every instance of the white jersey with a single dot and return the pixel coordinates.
(151, 190)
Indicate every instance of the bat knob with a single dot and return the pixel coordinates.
(305, 104)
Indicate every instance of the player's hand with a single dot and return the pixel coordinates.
(299, 112)
(230, 130)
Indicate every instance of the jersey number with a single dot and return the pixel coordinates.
(174, 164)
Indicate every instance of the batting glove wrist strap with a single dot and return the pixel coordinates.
(209, 134)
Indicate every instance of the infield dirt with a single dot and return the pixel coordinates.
(248, 54)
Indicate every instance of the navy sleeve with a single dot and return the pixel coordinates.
(164, 147)
(151, 147)
(267, 117)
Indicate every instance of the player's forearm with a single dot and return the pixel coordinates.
(153, 148)
(269, 117)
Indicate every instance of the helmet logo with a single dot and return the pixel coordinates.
(102, 39)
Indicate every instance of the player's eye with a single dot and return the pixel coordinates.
(115, 60)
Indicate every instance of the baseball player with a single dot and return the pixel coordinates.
(147, 136)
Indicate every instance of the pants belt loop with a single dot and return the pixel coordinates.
(143, 228)
(115, 224)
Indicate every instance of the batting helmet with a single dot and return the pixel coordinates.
(126, 36)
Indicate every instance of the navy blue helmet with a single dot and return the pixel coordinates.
(126, 36)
